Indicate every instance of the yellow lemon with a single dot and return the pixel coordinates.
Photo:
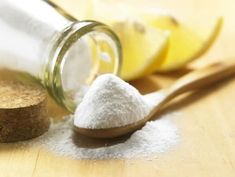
(186, 42)
(144, 48)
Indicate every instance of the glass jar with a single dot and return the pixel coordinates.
(66, 55)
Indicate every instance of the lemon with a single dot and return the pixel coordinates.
(187, 42)
(144, 48)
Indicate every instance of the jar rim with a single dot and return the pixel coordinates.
(71, 34)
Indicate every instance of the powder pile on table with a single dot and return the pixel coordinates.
(154, 138)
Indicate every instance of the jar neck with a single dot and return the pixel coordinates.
(61, 11)
(106, 46)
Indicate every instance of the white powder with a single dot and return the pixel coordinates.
(110, 102)
(154, 138)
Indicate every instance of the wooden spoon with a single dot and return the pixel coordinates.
(194, 80)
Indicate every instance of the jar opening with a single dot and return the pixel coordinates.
(85, 50)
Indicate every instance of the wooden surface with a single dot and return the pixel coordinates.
(206, 124)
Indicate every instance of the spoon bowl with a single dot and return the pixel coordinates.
(190, 82)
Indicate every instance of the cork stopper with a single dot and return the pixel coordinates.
(23, 113)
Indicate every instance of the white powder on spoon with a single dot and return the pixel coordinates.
(110, 102)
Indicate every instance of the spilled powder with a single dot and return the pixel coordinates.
(154, 138)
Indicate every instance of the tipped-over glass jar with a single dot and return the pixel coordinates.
(39, 38)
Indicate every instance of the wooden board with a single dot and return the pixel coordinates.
(206, 125)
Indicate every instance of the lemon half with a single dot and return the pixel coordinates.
(144, 48)
(186, 42)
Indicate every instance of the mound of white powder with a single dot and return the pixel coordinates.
(154, 138)
(110, 102)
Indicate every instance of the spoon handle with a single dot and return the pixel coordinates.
(201, 78)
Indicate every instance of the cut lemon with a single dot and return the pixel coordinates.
(186, 42)
(144, 48)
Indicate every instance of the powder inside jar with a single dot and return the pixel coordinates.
(110, 102)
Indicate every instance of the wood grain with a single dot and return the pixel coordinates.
(206, 125)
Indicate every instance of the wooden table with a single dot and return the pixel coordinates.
(206, 125)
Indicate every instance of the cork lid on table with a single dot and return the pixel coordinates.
(23, 112)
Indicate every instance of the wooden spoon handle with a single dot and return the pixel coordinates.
(202, 77)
